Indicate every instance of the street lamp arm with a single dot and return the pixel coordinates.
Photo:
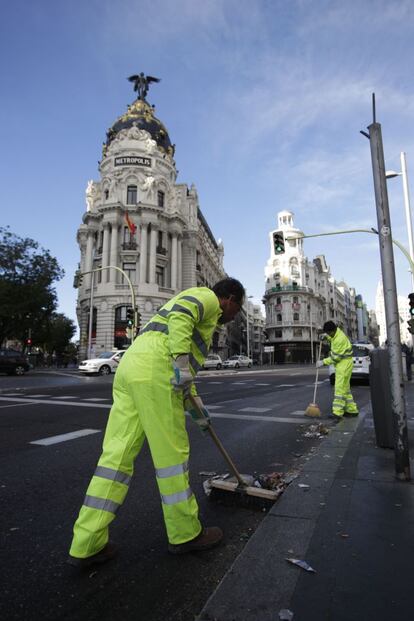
(371, 230)
(114, 267)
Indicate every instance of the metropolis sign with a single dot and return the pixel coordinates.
(133, 161)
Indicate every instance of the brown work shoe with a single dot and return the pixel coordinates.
(208, 538)
(104, 555)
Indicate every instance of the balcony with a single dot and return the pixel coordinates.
(131, 245)
(286, 288)
(161, 250)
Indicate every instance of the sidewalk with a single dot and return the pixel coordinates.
(354, 526)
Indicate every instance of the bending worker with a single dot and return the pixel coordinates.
(341, 357)
(149, 401)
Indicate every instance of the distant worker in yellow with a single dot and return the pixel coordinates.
(150, 388)
(342, 358)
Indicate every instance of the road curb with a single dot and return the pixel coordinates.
(261, 582)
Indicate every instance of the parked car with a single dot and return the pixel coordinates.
(213, 361)
(13, 362)
(105, 364)
(361, 360)
(234, 362)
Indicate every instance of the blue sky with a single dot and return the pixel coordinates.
(263, 99)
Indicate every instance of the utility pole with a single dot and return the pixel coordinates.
(401, 450)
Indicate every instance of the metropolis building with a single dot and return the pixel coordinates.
(300, 295)
(138, 219)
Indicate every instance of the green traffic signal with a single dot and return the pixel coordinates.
(278, 242)
(130, 317)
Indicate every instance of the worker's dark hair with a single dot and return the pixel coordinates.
(229, 286)
(329, 326)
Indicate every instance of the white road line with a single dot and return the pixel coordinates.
(216, 382)
(37, 396)
(298, 413)
(65, 436)
(96, 399)
(285, 385)
(255, 410)
(54, 402)
(16, 405)
(64, 397)
(215, 407)
(235, 383)
(262, 384)
(106, 406)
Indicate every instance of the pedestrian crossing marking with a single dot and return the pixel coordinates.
(96, 399)
(38, 396)
(65, 436)
(255, 410)
(298, 413)
(236, 383)
(64, 397)
(262, 384)
(215, 382)
(285, 385)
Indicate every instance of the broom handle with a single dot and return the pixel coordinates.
(218, 443)
(317, 372)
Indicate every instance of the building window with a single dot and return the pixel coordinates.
(278, 300)
(160, 198)
(295, 316)
(297, 331)
(295, 299)
(279, 317)
(129, 269)
(106, 194)
(278, 334)
(132, 195)
(159, 275)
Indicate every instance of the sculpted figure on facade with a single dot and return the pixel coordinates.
(147, 185)
(90, 194)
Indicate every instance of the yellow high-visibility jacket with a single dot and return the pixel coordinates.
(341, 348)
(188, 322)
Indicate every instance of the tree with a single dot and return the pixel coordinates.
(27, 296)
(58, 332)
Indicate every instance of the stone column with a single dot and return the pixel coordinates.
(189, 261)
(113, 258)
(143, 255)
(89, 256)
(180, 264)
(105, 252)
(174, 261)
(153, 254)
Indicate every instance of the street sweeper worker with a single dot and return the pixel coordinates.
(149, 393)
(341, 357)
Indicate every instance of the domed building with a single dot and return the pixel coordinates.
(141, 230)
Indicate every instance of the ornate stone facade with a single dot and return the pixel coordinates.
(172, 247)
(299, 297)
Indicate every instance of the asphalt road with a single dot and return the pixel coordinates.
(257, 414)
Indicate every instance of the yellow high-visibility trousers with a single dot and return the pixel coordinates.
(145, 405)
(343, 400)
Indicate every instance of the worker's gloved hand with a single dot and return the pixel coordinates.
(202, 417)
(182, 375)
(322, 336)
(319, 364)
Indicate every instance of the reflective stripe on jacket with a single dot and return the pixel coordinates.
(188, 321)
(341, 348)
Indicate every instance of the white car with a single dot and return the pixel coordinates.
(361, 360)
(213, 361)
(235, 362)
(104, 364)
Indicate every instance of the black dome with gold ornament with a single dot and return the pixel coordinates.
(141, 115)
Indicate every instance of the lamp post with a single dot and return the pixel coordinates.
(248, 297)
(390, 174)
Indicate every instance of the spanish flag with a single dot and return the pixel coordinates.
(132, 227)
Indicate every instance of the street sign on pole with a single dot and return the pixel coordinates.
(269, 348)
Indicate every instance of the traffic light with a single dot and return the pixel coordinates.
(130, 317)
(77, 279)
(28, 342)
(138, 326)
(278, 242)
(411, 313)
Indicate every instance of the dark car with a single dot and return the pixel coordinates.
(13, 362)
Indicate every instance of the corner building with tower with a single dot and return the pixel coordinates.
(300, 295)
(138, 219)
